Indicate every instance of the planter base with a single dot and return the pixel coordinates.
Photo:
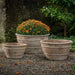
(57, 57)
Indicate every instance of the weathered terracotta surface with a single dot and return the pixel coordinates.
(56, 49)
(14, 50)
(33, 42)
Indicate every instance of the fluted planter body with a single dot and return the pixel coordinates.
(56, 49)
(14, 50)
(33, 42)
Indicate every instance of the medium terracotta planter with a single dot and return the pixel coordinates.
(14, 50)
(33, 42)
(56, 49)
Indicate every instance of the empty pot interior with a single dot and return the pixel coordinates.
(56, 41)
(14, 44)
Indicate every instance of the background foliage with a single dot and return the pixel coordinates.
(57, 13)
(63, 11)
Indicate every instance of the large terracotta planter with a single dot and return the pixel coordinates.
(56, 49)
(33, 42)
(14, 50)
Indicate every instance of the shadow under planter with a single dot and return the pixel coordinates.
(56, 49)
(33, 42)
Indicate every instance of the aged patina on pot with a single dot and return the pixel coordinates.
(56, 49)
(32, 41)
(14, 50)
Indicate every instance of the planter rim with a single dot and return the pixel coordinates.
(56, 41)
(32, 35)
(14, 44)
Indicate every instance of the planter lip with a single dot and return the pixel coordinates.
(14, 44)
(56, 41)
(32, 35)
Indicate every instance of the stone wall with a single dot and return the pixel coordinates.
(2, 38)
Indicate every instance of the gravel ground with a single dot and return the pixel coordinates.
(34, 64)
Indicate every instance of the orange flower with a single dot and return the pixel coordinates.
(27, 31)
(30, 28)
(31, 24)
(38, 31)
(47, 28)
(23, 22)
(17, 72)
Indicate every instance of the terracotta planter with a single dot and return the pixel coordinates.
(14, 50)
(33, 42)
(56, 49)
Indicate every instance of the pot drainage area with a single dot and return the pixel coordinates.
(35, 64)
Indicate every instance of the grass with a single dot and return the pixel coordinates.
(67, 38)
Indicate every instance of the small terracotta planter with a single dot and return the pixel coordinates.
(33, 42)
(14, 50)
(56, 49)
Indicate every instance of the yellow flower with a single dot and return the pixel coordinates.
(27, 31)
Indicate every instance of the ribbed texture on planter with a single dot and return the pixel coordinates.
(56, 49)
(14, 50)
(33, 42)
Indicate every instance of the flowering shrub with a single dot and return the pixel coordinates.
(32, 27)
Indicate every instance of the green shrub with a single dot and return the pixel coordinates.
(62, 10)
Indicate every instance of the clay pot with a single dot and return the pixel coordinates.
(33, 42)
(56, 49)
(14, 50)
